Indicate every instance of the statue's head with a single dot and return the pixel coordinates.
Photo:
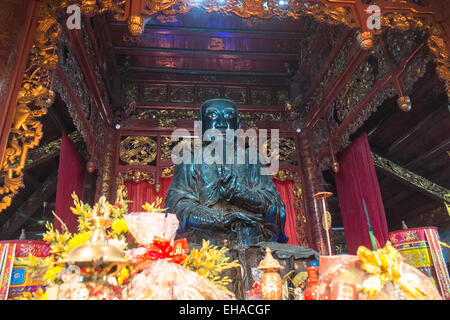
(220, 114)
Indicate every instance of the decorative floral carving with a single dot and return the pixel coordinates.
(415, 69)
(356, 89)
(138, 150)
(33, 100)
(286, 149)
(154, 93)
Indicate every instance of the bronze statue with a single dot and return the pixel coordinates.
(225, 203)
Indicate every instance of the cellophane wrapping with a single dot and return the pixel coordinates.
(144, 226)
(346, 280)
(163, 280)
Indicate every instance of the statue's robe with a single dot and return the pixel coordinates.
(194, 195)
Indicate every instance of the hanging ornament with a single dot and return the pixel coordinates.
(136, 25)
(366, 40)
(90, 166)
(404, 103)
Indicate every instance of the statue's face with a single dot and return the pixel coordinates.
(220, 114)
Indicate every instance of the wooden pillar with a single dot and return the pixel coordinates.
(311, 185)
(106, 174)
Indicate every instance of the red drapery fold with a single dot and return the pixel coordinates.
(357, 180)
(285, 190)
(141, 192)
(71, 176)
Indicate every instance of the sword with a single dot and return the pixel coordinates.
(370, 228)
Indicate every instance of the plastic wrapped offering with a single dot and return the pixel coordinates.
(375, 275)
(164, 280)
(144, 226)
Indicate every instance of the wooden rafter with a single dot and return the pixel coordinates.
(86, 65)
(409, 178)
(29, 207)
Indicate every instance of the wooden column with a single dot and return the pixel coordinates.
(311, 185)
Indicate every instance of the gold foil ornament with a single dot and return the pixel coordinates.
(271, 283)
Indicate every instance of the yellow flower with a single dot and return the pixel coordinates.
(52, 272)
(39, 294)
(123, 275)
(115, 210)
(56, 247)
(31, 262)
(81, 209)
(84, 224)
(119, 226)
(77, 240)
(50, 235)
(155, 206)
(63, 237)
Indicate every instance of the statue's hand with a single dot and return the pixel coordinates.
(232, 217)
(229, 186)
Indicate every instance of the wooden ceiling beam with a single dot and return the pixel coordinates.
(421, 160)
(199, 79)
(29, 207)
(194, 53)
(184, 30)
(209, 72)
(196, 106)
(424, 125)
(410, 179)
(100, 60)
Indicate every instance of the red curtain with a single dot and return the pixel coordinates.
(141, 192)
(71, 175)
(285, 190)
(357, 180)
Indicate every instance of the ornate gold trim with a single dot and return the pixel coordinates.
(33, 100)
(134, 176)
